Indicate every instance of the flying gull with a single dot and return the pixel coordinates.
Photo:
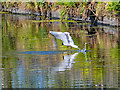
(65, 37)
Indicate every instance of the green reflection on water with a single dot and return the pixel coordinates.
(98, 68)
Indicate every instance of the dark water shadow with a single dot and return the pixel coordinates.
(51, 52)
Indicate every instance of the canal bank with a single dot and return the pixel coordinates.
(50, 12)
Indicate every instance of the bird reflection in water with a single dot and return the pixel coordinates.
(66, 64)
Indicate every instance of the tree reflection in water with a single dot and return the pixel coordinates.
(100, 67)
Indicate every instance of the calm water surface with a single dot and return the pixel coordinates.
(32, 58)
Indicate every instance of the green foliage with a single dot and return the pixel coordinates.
(81, 11)
(13, 5)
(28, 5)
(67, 4)
(42, 4)
(70, 4)
(62, 12)
(114, 6)
(66, 17)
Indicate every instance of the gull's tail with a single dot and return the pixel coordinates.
(52, 32)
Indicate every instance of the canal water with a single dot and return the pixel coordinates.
(33, 58)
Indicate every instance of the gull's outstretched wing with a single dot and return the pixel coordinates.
(61, 36)
(70, 40)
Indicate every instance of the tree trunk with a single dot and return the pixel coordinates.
(92, 12)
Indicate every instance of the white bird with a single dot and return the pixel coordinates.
(65, 37)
